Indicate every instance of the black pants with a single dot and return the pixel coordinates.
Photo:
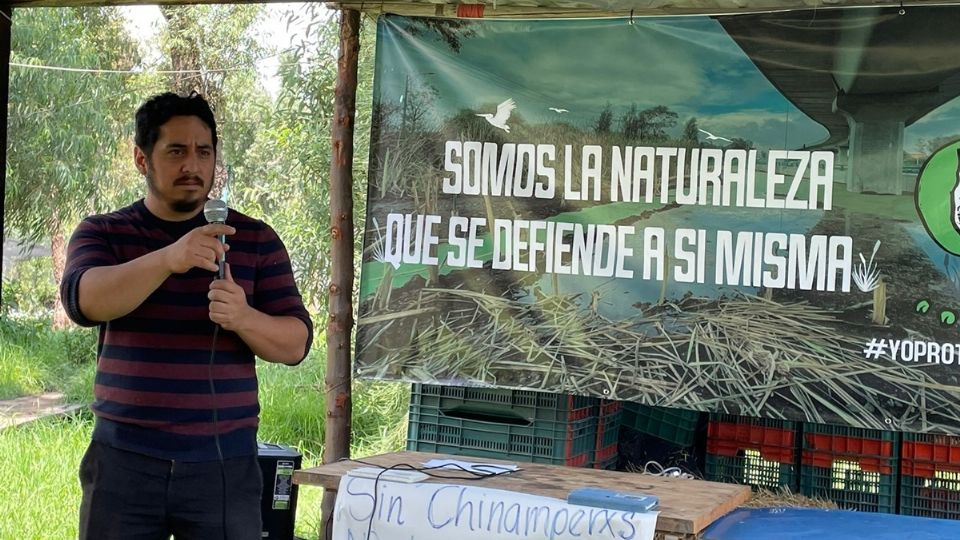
(129, 496)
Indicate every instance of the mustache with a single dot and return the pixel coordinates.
(192, 179)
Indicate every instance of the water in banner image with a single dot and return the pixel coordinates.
(622, 298)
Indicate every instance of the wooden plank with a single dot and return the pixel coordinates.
(686, 506)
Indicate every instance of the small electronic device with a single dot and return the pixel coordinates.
(613, 500)
(388, 475)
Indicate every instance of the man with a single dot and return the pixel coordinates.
(174, 445)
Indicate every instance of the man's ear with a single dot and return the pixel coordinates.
(140, 160)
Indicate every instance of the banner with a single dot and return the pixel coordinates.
(371, 510)
(753, 214)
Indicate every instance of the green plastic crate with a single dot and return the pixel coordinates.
(677, 426)
(856, 468)
(473, 432)
(525, 403)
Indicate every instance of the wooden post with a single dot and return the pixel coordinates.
(340, 304)
(5, 27)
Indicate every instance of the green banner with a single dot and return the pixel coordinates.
(753, 214)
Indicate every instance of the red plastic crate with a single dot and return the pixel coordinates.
(759, 452)
(856, 468)
(774, 443)
(608, 423)
(606, 458)
(930, 476)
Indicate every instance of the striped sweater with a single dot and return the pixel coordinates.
(152, 390)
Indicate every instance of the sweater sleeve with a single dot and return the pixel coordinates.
(275, 291)
(88, 248)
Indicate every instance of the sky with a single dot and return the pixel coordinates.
(145, 22)
(689, 64)
(686, 63)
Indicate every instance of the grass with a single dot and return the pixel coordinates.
(40, 494)
(34, 358)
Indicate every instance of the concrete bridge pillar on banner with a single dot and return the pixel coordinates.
(875, 146)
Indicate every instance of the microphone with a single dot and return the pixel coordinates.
(215, 211)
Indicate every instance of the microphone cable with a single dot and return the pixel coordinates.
(216, 211)
(216, 432)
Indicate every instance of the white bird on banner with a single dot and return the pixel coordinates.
(712, 137)
(558, 111)
(499, 120)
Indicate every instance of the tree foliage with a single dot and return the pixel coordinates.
(63, 126)
(70, 138)
(605, 121)
(691, 132)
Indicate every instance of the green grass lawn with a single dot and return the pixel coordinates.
(40, 492)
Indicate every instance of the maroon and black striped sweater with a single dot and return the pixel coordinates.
(152, 393)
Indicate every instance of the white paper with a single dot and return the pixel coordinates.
(469, 512)
(477, 467)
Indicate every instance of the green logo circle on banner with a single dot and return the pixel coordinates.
(938, 197)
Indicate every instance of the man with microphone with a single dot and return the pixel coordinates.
(174, 446)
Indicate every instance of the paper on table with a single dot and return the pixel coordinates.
(369, 510)
(482, 468)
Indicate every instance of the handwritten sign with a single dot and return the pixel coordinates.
(464, 512)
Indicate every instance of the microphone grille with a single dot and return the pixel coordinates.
(215, 211)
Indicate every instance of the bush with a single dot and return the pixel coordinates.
(36, 358)
(30, 290)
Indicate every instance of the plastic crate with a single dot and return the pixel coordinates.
(525, 403)
(478, 433)
(854, 467)
(606, 458)
(637, 450)
(677, 426)
(608, 423)
(759, 452)
(930, 476)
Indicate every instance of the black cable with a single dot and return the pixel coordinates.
(476, 475)
(216, 433)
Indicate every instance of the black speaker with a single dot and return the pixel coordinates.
(278, 504)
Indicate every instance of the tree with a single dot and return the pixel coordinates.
(214, 50)
(63, 125)
(655, 122)
(290, 157)
(631, 124)
(740, 144)
(605, 121)
(691, 132)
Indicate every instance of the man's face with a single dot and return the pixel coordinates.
(180, 168)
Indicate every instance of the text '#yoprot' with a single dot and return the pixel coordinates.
(907, 350)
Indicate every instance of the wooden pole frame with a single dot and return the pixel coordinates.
(339, 398)
(6, 28)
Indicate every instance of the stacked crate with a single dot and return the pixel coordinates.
(501, 423)
(930, 476)
(856, 468)
(759, 452)
(666, 436)
(609, 420)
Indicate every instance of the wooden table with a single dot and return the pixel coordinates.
(687, 507)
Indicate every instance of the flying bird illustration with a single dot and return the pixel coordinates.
(558, 111)
(499, 120)
(712, 137)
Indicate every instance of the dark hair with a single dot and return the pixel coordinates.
(159, 109)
